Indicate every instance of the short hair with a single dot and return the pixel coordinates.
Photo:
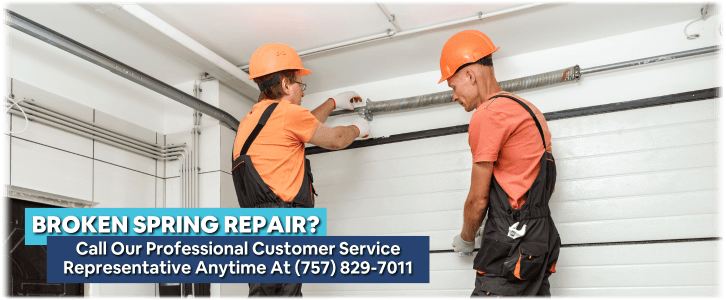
(485, 61)
(275, 91)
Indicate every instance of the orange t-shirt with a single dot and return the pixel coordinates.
(503, 132)
(279, 149)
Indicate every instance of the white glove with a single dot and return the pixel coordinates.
(345, 100)
(514, 233)
(362, 125)
(461, 246)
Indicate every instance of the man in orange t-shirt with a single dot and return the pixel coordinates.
(269, 166)
(512, 175)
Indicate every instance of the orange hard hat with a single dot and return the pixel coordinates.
(467, 46)
(274, 57)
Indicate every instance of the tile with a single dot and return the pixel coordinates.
(54, 102)
(237, 290)
(209, 149)
(160, 192)
(228, 195)
(209, 189)
(53, 137)
(119, 187)
(6, 159)
(50, 170)
(126, 290)
(109, 122)
(121, 157)
(227, 137)
(171, 188)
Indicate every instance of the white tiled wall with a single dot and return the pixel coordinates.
(126, 289)
(120, 157)
(209, 189)
(119, 187)
(39, 167)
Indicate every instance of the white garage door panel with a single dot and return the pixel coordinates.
(678, 291)
(698, 179)
(633, 140)
(406, 204)
(452, 275)
(656, 253)
(691, 156)
(419, 184)
(631, 119)
(397, 224)
(335, 159)
(413, 165)
(688, 203)
(50, 170)
(688, 274)
(677, 227)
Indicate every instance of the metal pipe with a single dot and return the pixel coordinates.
(397, 32)
(90, 136)
(517, 84)
(93, 127)
(56, 39)
(93, 133)
(652, 59)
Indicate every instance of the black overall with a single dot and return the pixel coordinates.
(519, 266)
(253, 192)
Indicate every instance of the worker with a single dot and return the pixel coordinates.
(512, 176)
(269, 167)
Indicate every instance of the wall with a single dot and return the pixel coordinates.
(639, 175)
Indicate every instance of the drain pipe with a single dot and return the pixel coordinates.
(545, 79)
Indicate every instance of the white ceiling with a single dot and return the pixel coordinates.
(234, 31)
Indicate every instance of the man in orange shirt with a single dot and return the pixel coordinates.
(512, 177)
(269, 167)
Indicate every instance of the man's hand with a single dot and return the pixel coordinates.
(345, 100)
(362, 125)
(461, 246)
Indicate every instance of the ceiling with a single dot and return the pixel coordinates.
(235, 31)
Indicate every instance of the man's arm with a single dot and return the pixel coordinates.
(335, 138)
(477, 200)
(323, 111)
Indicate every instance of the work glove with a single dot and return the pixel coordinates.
(345, 100)
(462, 247)
(362, 125)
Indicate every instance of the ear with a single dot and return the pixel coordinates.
(469, 74)
(285, 85)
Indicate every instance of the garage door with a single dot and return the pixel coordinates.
(634, 201)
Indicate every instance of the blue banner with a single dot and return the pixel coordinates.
(249, 259)
(43, 222)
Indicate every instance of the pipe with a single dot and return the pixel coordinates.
(100, 130)
(652, 59)
(93, 133)
(47, 35)
(94, 137)
(517, 84)
(397, 32)
(391, 18)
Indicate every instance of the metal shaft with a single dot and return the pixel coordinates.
(49, 36)
(518, 84)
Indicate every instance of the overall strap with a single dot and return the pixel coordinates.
(531, 113)
(261, 123)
